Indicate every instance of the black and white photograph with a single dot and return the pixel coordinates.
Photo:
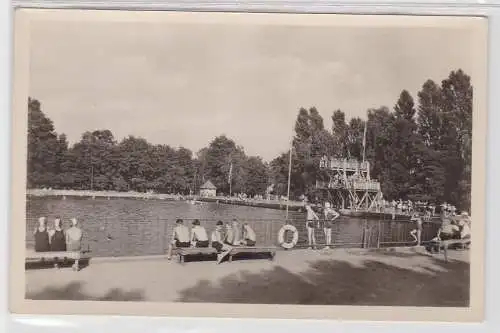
(222, 159)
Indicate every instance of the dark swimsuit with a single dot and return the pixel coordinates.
(58, 241)
(42, 241)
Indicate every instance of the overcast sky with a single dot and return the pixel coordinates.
(183, 84)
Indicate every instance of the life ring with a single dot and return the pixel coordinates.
(281, 236)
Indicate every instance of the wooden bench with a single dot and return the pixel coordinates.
(33, 256)
(271, 250)
(195, 251)
(36, 256)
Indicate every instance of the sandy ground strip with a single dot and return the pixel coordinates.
(340, 276)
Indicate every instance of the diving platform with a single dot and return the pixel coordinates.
(348, 184)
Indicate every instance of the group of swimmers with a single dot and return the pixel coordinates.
(313, 222)
(56, 239)
(455, 227)
(222, 239)
(452, 227)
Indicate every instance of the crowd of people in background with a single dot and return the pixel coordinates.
(408, 207)
(222, 238)
(453, 227)
(56, 238)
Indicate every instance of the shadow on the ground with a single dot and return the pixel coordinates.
(73, 292)
(415, 253)
(330, 282)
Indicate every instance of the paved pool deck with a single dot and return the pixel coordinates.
(405, 276)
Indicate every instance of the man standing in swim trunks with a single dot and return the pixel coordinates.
(311, 219)
(180, 238)
(330, 216)
(417, 232)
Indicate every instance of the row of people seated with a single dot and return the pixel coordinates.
(57, 238)
(220, 239)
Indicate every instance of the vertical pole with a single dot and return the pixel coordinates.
(364, 141)
(289, 175)
(230, 179)
(378, 237)
(91, 172)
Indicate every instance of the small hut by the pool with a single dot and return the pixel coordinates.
(208, 189)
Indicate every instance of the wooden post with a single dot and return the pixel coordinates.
(378, 237)
(289, 175)
(363, 237)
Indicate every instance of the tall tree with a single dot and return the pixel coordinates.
(404, 142)
(431, 174)
(457, 108)
(45, 148)
(340, 134)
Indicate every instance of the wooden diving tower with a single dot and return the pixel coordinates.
(347, 184)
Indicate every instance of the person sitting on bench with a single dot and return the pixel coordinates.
(237, 232)
(231, 240)
(448, 231)
(217, 237)
(233, 234)
(180, 238)
(463, 224)
(42, 242)
(199, 236)
(229, 235)
(249, 238)
(74, 237)
(57, 239)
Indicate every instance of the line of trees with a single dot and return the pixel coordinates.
(99, 162)
(418, 151)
